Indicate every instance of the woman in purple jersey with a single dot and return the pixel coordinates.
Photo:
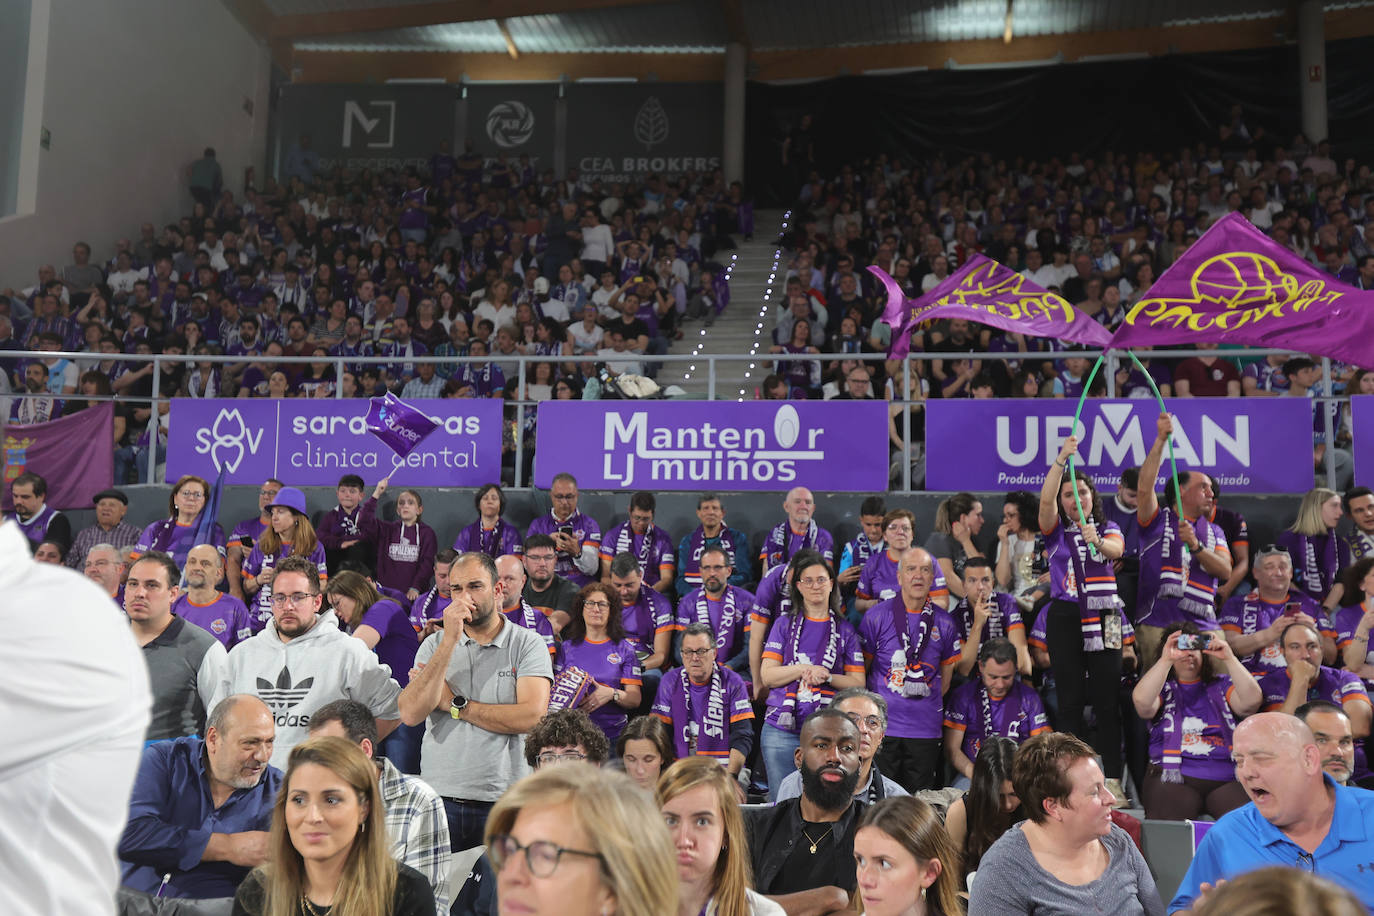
(1319, 553)
(1082, 631)
(175, 535)
(491, 534)
(594, 640)
(1192, 709)
(384, 627)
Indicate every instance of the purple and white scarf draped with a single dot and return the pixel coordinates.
(1317, 564)
(1170, 717)
(913, 683)
(778, 545)
(1097, 595)
(625, 543)
(804, 700)
(1176, 579)
(728, 615)
(702, 731)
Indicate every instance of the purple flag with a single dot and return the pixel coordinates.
(396, 423)
(1236, 285)
(992, 294)
(74, 453)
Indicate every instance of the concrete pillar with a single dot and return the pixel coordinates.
(736, 60)
(1312, 68)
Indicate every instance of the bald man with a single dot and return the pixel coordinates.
(225, 617)
(798, 531)
(510, 570)
(201, 808)
(1298, 815)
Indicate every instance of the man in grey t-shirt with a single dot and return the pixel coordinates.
(482, 682)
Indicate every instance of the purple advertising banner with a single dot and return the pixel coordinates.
(309, 442)
(1250, 445)
(1362, 438)
(714, 445)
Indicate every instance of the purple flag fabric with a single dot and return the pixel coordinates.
(1236, 285)
(74, 453)
(396, 423)
(992, 294)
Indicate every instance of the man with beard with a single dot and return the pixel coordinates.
(802, 849)
(512, 575)
(302, 660)
(1359, 503)
(481, 683)
(545, 590)
(201, 808)
(1335, 739)
(996, 703)
(868, 712)
(722, 607)
(223, 616)
(648, 618)
(38, 406)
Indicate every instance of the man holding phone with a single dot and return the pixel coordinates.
(1252, 622)
(576, 536)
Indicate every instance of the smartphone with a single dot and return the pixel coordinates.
(246, 541)
(1292, 609)
(1191, 641)
(565, 529)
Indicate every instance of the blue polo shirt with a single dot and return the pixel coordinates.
(171, 817)
(1243, 841)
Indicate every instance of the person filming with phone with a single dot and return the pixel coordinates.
(1252, 622)
(1192, 708)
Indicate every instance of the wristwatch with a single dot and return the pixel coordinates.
(459, 704)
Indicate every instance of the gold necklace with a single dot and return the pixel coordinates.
(309, 907)
(816, 842)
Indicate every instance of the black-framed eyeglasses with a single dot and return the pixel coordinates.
(550, 758)
(698, 653)
(541, 856)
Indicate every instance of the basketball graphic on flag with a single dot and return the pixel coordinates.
(1243, 279)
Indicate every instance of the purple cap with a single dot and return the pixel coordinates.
(291, 498)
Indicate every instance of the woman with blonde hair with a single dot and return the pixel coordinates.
(1276, 891)
(328, 850)
(289, 534)
(698, 805)
(904, 861)
(1318, 553)
(581, 841)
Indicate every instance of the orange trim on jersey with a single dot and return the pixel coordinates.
(773, 655)
(956, 726)
(741, 717)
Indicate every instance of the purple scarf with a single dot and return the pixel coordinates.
(1316, 563)
(728, 615)
(996, 621)
(908, 662)
(1170, 719)
(804, 700)
(1096, 592)
(1177, 578)
(780, 538)
(569, 688)
(625, 542)
(705, 733)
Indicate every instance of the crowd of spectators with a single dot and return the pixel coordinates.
(466, 259)
(1097, 230)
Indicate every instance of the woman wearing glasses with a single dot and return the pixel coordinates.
(811, 652)
(176, 534)
(580, 841)
(594, 641)
(328, 848)
(697, 799)
(290, 534)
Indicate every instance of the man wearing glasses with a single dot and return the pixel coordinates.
(868, 712)
(576, 536)
(723, 608)
(301, 660)
(706, 706)
(545, 590)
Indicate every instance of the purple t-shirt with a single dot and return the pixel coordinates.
(772, 599)
(398, 644)
(811, 646)
(777, 552)
(650, 615)
(1345, 621)
(878, 580)
(654, 550)
(734, 603)
(525, 616)
(909, 716)
(226, 618)
(256, 563)
(612, 664)
(251, 528)
(1204, 745)
(738, 707)
(587, 534)
(1247, 614)
(1059, 547)
(1337, 685)
(1018, 715)
(495, 542)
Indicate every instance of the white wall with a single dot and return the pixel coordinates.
(132, 93)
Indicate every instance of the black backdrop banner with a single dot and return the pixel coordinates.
(1157, 104)
(365, 126)
(513, 119)
(625, 132)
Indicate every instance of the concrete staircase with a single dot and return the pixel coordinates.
(755, 268)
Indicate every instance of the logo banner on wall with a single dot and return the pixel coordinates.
(714, 445)
(360, 126)
(625, 132)
(1362, 434)
(74, 475)
(514, 121)
(1251, 445)
(315, 442)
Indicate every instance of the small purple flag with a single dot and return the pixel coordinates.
(1236, 285)
(399, 425)
(992, 294)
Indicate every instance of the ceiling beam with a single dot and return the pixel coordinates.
(377, 67)
(511, 49)
(414, 15)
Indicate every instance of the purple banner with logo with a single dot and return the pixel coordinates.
(1250, 445)
(1237, 285)
(714, 445)
(314, 442)
(75, 454)
(1362, 438)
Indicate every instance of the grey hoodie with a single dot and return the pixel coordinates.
(298, 677)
